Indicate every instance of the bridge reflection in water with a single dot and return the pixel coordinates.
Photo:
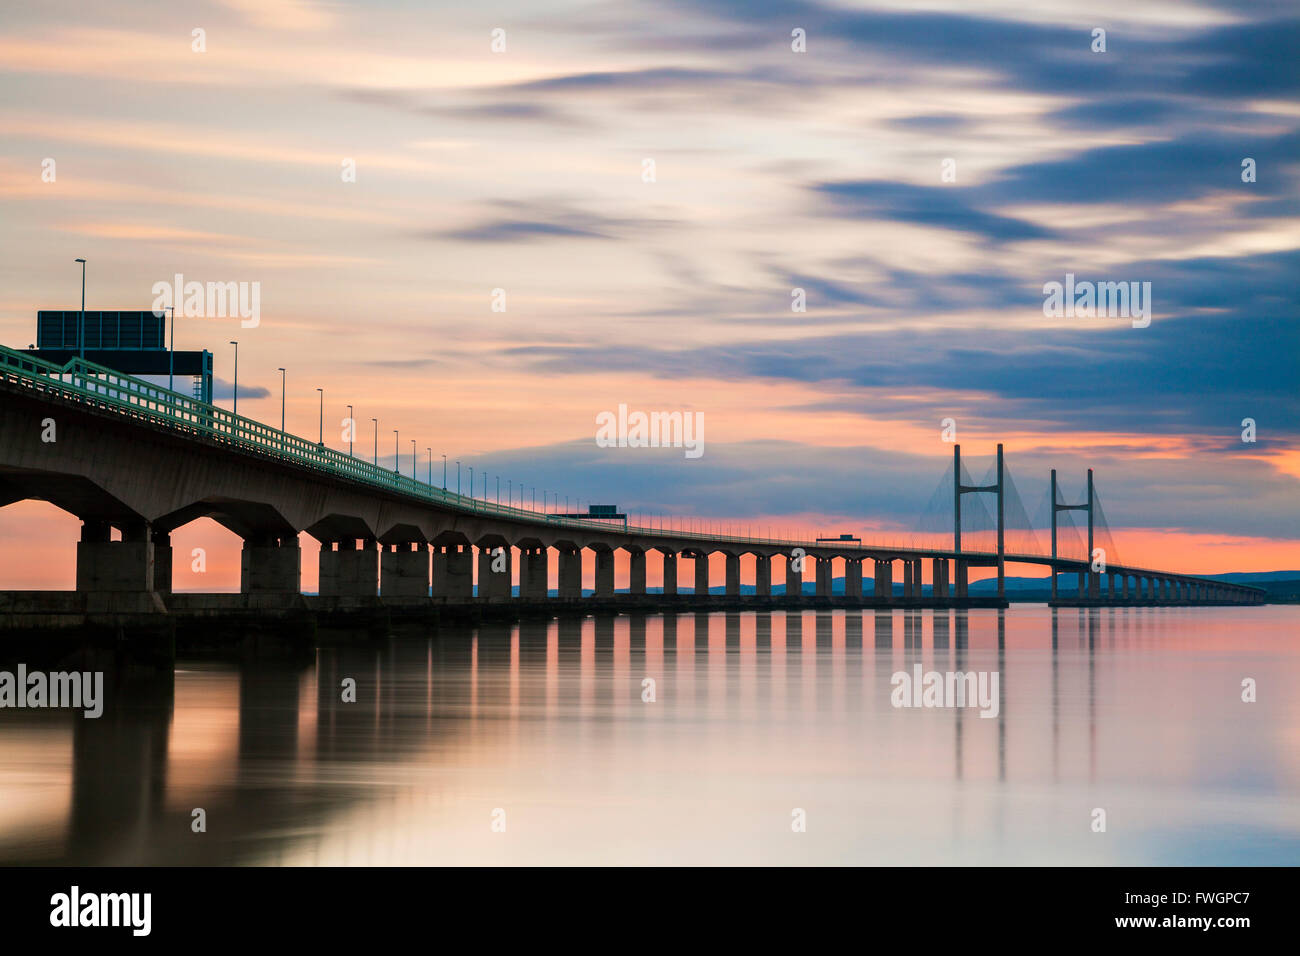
(754, 716)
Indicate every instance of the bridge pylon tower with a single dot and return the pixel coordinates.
(958, 490)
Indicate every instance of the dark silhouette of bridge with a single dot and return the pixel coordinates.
(121, 453)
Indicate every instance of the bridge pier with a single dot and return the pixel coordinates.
(824, 577)
(604, 572)
(793, 579)
(939, 577)
(404, 572)
(349, 571)
(884, 585)
(733, 574)
(453, 571)
(119, 566)
(533, 572)
(162, 561)
(701, 561)
(963, 576)
(1094, 586)
(908, 589)
(670, 572)
(763, 575)
(493, 583)
(853, 578)
(569, 582)
(636, 571)
(270, 566)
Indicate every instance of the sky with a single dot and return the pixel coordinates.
(919, 170)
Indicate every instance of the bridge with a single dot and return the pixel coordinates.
(121, 453)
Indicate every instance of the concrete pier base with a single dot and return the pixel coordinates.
(853, 577)
(494, 583)
(733, 574)
(404, 572)
(636, 572)
(570, 578)
(763, 575)
(533, 572)
(453, 571)
(271, 568)
(605, 573)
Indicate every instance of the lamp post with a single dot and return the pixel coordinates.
(429, 452)
(320, 440)
(458, 477)
(81, 320)
(444, 473)
(352, 431)
(471, 480)
(283, 378)
(397, 461)
(171, 351)
(236, 345)
(376, 421)
(413, 459)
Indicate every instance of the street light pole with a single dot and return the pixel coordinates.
(458, 477)
(413, 459)
(429, 453)
(321, 435)
(376, 421)
(283, 378)
(397, 460)
(171, 351)
(235, 410)
(81, 321)
(352, 431)
(444, 472)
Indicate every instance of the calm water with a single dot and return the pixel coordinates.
(1135, 711)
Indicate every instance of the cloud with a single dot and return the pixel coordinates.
(943, 208)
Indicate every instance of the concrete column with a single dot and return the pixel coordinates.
(570, 578)
(907, 579)
(670, 572)
(494, 583)
(733, 575)
(763, 575)
(1124, 579)
(270, 566)
(701, 574)
(939, 576)
(604, 573)
(793, 578)
(962, 578)
(884, 580)
(824, 568)
(162, 561)
(453, 571)
(107, 565)
(533, 573)
(404, 572)
(636, 571)
(1094, 586)
(918, 578)
(1082, 586)
(853, 578)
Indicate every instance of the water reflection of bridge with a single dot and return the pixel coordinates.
(302, 758)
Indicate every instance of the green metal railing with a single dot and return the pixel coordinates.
(106, 389)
